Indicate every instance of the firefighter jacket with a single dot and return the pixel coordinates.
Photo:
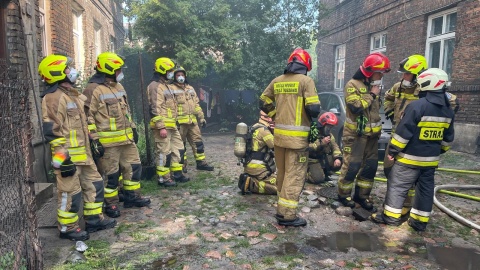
(399, 96)
(188, 104)
(65, 124)
(361, 103)
(319, 150)
(296, 103)
(425, 131)
(109, 117)
(261, 156)
(163, 105)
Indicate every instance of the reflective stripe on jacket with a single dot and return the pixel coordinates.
(291, 93)
(109, 115)
(65, 124)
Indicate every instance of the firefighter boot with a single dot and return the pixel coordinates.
(244, 183)
(297, 222)
(202, 165)
(366, 204)
(97, 223)
(112, 211)
(179, 177)
(121, 197)
(75, 235)
(133, 199)
(417, 225)
(346, 201)
(166, 181)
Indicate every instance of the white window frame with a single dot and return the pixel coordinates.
(78, 33)
(383, 47)
(442, 37)
(43, 28)
(97, 38)
(339, 60)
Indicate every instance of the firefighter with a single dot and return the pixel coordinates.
(397, 99)
(324, 155)
(188, 111)
(163, 110)
(423, 133)
(259, 174)
(65, 128)
(110, 122)
(361, 132)
(291, 100)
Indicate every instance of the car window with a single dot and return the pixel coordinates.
(335, 103)
(325, 101)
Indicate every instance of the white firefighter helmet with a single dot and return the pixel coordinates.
(432, 79)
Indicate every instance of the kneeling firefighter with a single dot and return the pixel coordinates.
(259, 173)
(324, 155)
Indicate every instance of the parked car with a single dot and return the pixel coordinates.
(335, 103)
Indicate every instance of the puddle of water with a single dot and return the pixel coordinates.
(287, 248)
(342, 241)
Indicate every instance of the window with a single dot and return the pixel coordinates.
(97, 38)
(441, 40)
(378, 43)
(43, 27)
(339, 66)
(78, 40)
(112, 44)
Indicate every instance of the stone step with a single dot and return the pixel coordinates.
(43, 193)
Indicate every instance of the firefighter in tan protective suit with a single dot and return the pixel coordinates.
(259, 174)
(396, 100)
(361, 132)
(324, 155)
(188, 109)
(163, 109)
(110, 122)
(296, 104)
(65, 128)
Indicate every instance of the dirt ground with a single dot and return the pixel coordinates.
(207, 223)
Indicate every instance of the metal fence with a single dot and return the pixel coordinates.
(19, 242)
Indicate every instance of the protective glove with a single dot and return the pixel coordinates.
(67, 168)
(97, 149)
(135, 135)
(203, 123)
(389, 114)
(313, 134)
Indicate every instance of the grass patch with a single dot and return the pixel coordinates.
(138, 236)
(242, 243)
(147, 224)
(268, 260)
(97, 255)
(122, 227)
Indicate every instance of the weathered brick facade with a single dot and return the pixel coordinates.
(353, 23)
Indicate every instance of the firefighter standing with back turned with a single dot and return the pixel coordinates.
(259, 174)
(188, 109)
(163, 110)
(424, 132)
(111, 123)
(296, 104)
(324, 155)
(65, 128)
(397, 99)
(361, 132)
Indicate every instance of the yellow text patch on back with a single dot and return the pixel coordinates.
(431, 134)
(286, 87)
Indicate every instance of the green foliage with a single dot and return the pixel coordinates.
(7, 261)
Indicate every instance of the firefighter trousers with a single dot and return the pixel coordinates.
(168, 152)
(402, 179)
(262, 181)
(387, 168)
(86, 184)
(191, 133)
(291, 171)
(360, 156)
(316, 173)
(109, 167)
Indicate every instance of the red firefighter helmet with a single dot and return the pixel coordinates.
(375, 62)
(301, 56)
(328, 118)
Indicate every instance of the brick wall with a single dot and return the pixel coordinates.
(353, 23)
(61, 25)
(15, 40)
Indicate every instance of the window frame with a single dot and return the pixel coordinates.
(97, 37)
(79, 50)
(372, 42)
(441, 37)
(338, 60)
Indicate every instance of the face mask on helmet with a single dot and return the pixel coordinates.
(406, 83)
(376, 82)
(170, 75)
(72, 76)
(180, 79)
(119, 77)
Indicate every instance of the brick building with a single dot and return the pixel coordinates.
(447, 32)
